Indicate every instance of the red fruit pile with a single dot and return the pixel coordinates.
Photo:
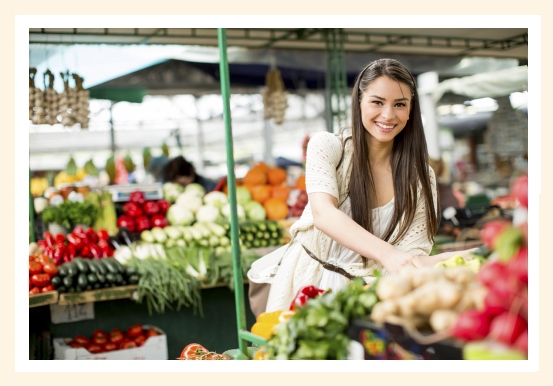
(140, 214)
(504, 317)
(101, 341)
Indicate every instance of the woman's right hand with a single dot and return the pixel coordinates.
(398, 261)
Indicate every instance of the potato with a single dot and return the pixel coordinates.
(425, 275)
(383, 309)
(440, 294)
(441, 320)
(461, 275)
(391, 287)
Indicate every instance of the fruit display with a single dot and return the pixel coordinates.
(102, 341)
(139, 214)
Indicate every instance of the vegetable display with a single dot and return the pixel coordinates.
(71, 213)
(101, 341)
(140, 214)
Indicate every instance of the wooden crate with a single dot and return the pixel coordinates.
(43, 299)
(97, 295)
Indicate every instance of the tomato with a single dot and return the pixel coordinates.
(35, 268)
(40, 280)
(75, 344)
(99, 340)
(94, 348)
(82, 340)
(110, 346)
(127, 344)
(193, 349)
(48, 288)
(50, 268)
(43, 259)
(100, 333)
(34, 291)
(116, 336)
(140, 340)
(151, 332)
(134, 331)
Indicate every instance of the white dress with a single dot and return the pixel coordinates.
(344, 257)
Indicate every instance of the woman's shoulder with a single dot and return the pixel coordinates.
(328, 140)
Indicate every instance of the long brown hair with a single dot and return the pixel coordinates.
(409, 159)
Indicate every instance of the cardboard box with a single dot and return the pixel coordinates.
(392, 342)
(154, 348)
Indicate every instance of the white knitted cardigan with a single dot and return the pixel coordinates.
(327, 172)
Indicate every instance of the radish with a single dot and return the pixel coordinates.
(491, 231)
(471, 325)
(519, 189)
(522, 342)
(518, 266)
(502, 293)
(507, 327)
(491, 272)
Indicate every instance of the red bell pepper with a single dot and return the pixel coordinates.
(91, 236)
(95, 251)
(159, 220)
(104, 246)
(49, 238)
(303, 295)
(125, 221)
(71, 252)
(137, 197)
(142, 223)
(102, 234)
(132, 209)
(75, 240)
(59, 253)
(150, 208)
(85, 252)
(42, 243)
(60, 239)
(163, 206)
(79, 231)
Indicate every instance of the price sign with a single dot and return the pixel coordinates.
(71, 312)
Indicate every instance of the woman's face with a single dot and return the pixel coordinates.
(385, 107)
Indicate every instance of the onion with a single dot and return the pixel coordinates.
(471, 325)
(507, 327)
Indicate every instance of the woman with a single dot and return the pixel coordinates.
(372, 195)
(182, 172)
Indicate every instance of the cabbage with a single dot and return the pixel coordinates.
(189, 200)
(216, 199)
(255, 211)
(171, 190)
(225, 210)
(208, 213)
(195, 188)
(243, 195)
(179, 215)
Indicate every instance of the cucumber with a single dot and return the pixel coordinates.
(61, 289)
(133, 279)
(92, 278)
(78, 288)
(110, 277)
(72, 269)
(118, 278)
(71, 290)
(62, 270)
(81, 265)
(100, 278)
(99, 265)
(110, 267)
(88, 287)
(97, 286)
(68, 282)
(131, 270)
(82, 281)
(56, 281)
(92, 266)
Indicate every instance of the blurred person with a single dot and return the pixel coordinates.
(180, 171)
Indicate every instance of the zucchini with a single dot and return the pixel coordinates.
(62, 270)
(92, 278)
(131, 270)
(120, 267)
(110, 277)
(133, 279)
(61, 289)
(68, 282)
(56, 281)
(100, 278)
(111, 268)
(82, 265)
(88, 287)
(97, 286)
(78, 288)
(71, 289)
(92, 266)
(99, 265)
(72, 269)
(82, 281)
(118, 278)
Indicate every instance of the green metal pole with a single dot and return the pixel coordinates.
(231, 181)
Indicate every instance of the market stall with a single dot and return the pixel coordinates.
(172, 255)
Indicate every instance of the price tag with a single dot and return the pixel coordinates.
(71, 312)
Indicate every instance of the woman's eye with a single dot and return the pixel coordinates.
(401, 104)
(378, 103)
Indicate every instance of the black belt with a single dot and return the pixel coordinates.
(330, 267)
